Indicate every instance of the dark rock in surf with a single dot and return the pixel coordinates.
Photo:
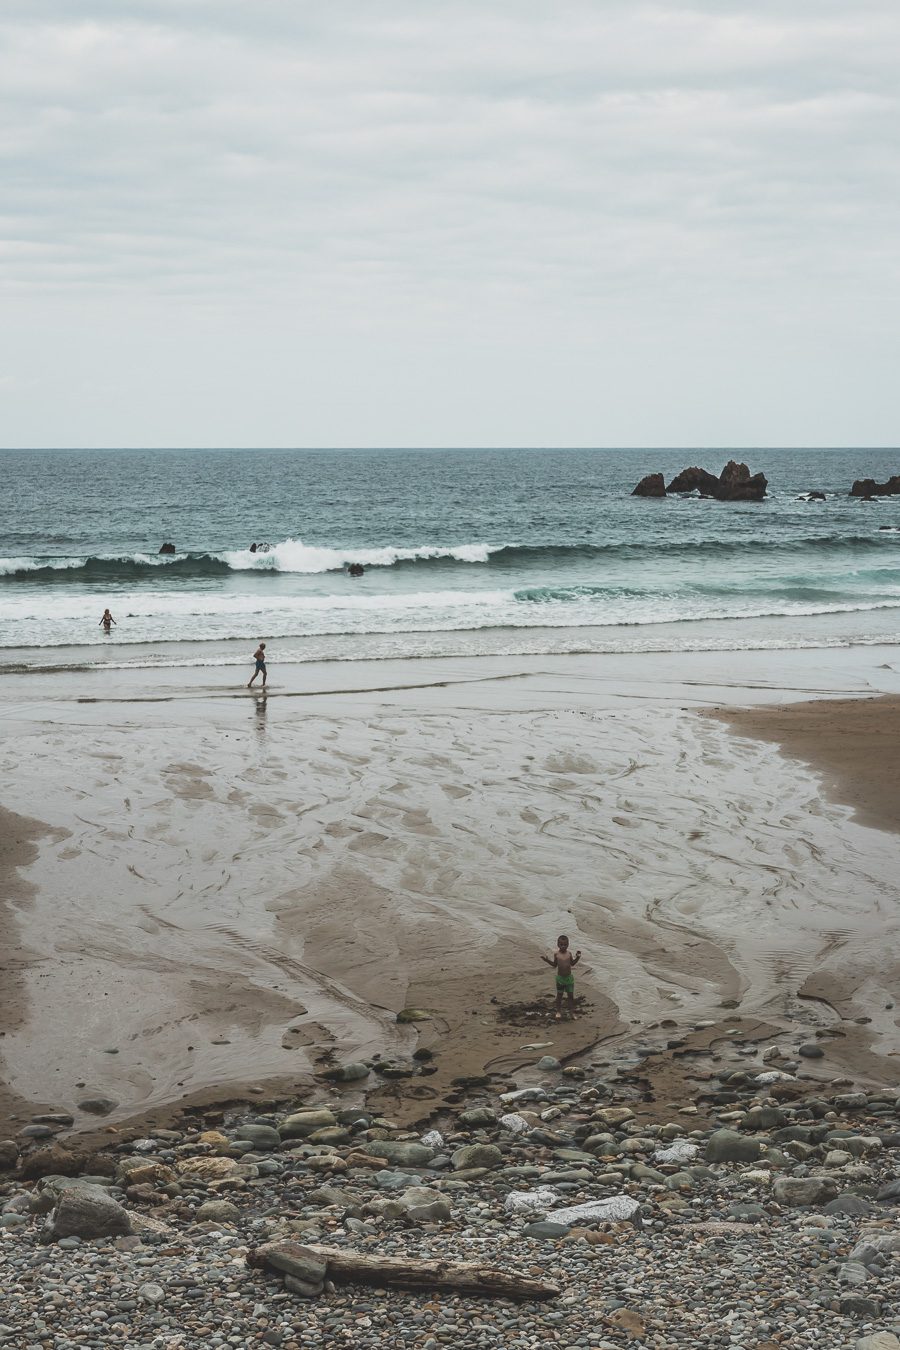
(167, 548)
(652, 485)
(811, 497)
(734, 484)
(867, 488)
(695, 480)
(737, 484)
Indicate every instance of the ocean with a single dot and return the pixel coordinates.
(464, 551)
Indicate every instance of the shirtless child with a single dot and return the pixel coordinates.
(564, 962)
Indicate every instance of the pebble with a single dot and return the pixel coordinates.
(726, 1261)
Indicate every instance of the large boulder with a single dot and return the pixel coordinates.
(695, 480)
(737, 484)
(86, 1211)
(264, 1138)
(652, 485)
(477, 1155)
(399, 1152)
(204, 1170)
(302, 1123)
(729, 1146)
(803, 1191)
(867, 487)
(612, 1209)
(9, 1154)
(302, 1269)
(54, 1160)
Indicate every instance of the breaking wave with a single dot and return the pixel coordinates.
(293, 556)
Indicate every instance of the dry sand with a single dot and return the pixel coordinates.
(230, 890)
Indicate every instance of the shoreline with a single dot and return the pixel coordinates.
(267, 895)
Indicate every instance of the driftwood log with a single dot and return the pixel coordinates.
(401, 1272)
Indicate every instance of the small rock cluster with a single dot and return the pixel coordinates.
(775, 1225)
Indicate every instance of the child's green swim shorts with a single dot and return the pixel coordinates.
(565, 984)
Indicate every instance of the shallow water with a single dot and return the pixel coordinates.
(503, 551)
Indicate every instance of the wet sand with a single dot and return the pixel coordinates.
(854, 744)
(241, 889)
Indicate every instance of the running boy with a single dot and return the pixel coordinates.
(259, 656)
(563, 960)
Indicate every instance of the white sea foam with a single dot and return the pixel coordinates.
(48, 562)
(292, 555)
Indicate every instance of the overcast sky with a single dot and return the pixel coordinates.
(356, 222)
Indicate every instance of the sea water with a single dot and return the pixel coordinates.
(464, 551)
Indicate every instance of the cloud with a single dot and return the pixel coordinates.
(447, 197)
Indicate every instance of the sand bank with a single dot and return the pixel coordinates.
(853, 744)
(241, 889)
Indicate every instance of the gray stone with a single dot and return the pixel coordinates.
(853, 1205)
(873, 1245)
(747, 1213)
(347, 1073)
(394, 1181)
(218, 1211)
(98, 1106)
(477, 1155)
(804, 1190)
(88, 1212)
(262, 1137)
(9, 1154)
(811, 1051)
(679, 1151)
(530, 1202)
(478, 1115)
(399, 1152)
(414, 1197)
(151, 1293)
(763, 1118)
(615, 1208)
(302, 1123)
(854, 1305)
(879, 1340)
(438, 1211)
(890, 1192)
(302, 1288)
(331, 1134)
(729, 1146)
(330, 1195)
(853, 1273)
(292, 1258)
(545, 1229)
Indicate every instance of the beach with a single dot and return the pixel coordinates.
(220, 893)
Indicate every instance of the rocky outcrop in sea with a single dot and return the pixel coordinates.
(734, 484)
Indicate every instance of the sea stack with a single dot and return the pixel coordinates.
(867, 487)
(734, 484)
